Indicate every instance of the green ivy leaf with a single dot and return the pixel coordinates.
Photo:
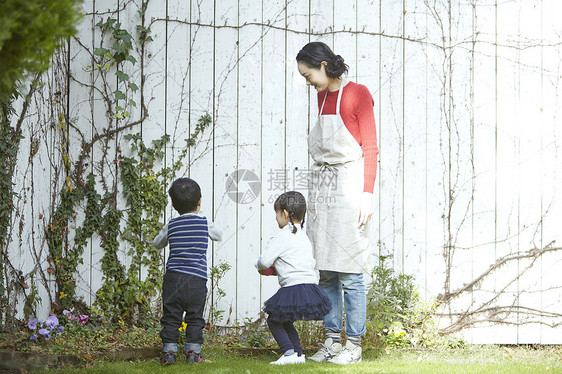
(119, 95)
(121, 76)
(100, 51)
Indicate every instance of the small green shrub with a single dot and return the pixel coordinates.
(396, 316)
(216, 274)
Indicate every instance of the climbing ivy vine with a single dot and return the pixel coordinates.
(121, 216)
(30, 31)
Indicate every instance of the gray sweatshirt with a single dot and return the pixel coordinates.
(292, 256)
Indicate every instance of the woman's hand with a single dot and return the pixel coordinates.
(365, 208)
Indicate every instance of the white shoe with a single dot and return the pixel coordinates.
(289, 360)
(350, 354)
(328, 351)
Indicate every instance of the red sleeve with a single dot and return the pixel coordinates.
(368, 135)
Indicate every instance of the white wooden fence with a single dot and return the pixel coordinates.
(467, 197)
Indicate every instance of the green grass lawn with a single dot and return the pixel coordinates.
(469, 360)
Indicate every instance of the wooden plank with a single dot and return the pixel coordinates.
(391, 134)
(131, 110)
(345, 37)
(80, 108)
(321, 21)
(415, 142)
(528, 111)
(507, 154)
(180, 122)
(461, 144)
(249, 117)
(103, 152)
(297, 104)
(273, 149)
(484, 112)
(226, 79)
(436, 153)
(123, 18)
(547, 115)
(367, 72)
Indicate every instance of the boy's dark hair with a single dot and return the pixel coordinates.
(185, 194)
(294, 203)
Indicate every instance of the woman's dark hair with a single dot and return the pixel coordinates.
(314, 53)
(294, 203)
(185, 194)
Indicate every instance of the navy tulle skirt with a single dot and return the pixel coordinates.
(299, 302)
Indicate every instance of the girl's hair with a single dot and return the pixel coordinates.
(294, 203)
(314, 53)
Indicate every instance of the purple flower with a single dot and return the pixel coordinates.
(43, 332)
(52, 321)
(60, 330)
(33, 337)
(68, 313)
(82, 318)
(32, 324)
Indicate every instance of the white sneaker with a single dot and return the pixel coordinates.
(350, 354)
(328, 351)
(289, 360)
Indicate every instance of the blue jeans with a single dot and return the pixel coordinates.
(348, 289)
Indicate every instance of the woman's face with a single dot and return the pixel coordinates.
(314, 77)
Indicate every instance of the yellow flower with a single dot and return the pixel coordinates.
(183, 326)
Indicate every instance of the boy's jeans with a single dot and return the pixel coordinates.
(182, 293)
(354, 296)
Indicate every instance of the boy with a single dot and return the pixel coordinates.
(184, 288)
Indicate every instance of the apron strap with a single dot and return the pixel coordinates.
(323, 102)
(343, 83)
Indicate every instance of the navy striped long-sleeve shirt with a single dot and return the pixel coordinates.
(188, 238)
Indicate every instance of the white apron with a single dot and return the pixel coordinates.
(334, 198)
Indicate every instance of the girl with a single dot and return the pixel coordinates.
(343, 144)
(288, 254)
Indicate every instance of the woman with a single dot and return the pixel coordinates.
(343, 145)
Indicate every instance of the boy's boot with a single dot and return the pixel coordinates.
(169, 351)
(193, 353)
